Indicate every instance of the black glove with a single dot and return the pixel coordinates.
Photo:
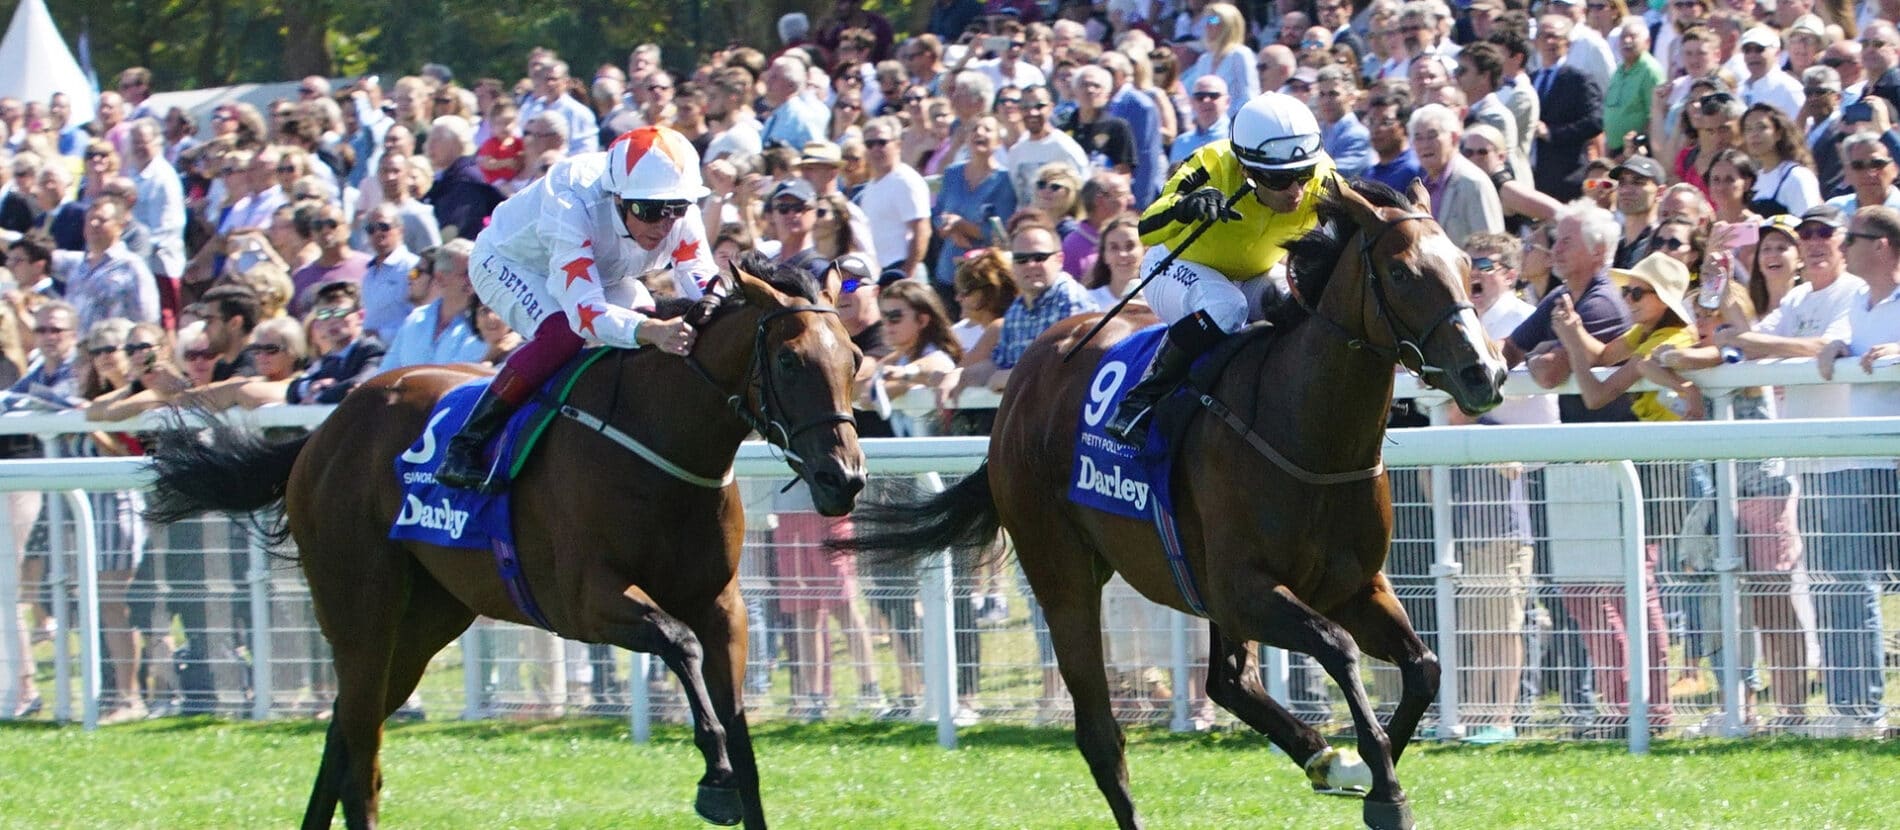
(1205, 205)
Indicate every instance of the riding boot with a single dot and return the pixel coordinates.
(463, 465)
(1186, 340)
(552, 346)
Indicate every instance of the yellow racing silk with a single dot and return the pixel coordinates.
(1242, 249)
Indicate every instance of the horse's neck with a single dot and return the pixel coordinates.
(662, 402)
(1324, 403)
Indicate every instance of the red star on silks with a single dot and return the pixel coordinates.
(587, 315)
(642, 139)
(688, 250)
(577, 269)
(587, 243)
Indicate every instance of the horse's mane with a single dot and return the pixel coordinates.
(1312, 257)
(790, 280)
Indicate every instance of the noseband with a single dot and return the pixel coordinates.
(1404, 346)
(766, 417)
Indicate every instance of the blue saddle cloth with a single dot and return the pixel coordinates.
(1113, 477)
(447, 516)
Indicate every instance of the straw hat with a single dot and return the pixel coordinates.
(1663, 274)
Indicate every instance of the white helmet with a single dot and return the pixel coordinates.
(653, 164)
(1276, 132)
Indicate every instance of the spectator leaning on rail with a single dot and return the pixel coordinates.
(561, 261)
(1213, 288)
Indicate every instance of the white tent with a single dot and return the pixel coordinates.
(35, 63)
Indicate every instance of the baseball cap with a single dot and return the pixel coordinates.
(1642, 166)
(1761, 36)
(1808, 24)
(795, 189)
(1828, 215)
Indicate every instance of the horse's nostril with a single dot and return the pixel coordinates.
(1476, 376)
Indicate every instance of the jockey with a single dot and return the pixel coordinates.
(1214, 288)
(561, 263)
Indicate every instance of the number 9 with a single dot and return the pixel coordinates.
(1108, 380)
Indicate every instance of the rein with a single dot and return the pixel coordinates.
(1403, 346)
(764, 417)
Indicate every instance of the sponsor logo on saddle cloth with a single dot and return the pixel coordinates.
(446, 516)
(1109, 475)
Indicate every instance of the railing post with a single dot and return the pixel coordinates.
(1728, 562)
(58, 580)
(1182, 685)
(257, 576)
(86, 548)
(14, 663)
(474, 680)
(1635, 614)
(939, 636)
(639, 699)
(1445, 571)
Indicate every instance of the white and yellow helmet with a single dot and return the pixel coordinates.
(1276, 132)
(653, 164)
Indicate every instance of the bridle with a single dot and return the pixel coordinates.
(1403, 346)
(765, 416)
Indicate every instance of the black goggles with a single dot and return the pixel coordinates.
(1279, 179)
(652, 211)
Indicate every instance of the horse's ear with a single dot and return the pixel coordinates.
(1421, 198)
(756, 291)
(830, 286)
(1363, 213)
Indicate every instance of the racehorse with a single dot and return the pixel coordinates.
(1283, 555)
(616, 550)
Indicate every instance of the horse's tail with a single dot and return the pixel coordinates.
(962, 518)
(231, 469)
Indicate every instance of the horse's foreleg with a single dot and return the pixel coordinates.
(1379, 624)
(1233, 681)
(321, 810)
(722, 632)
(1281, 619)
(637, 623)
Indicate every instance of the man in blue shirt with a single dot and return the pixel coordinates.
(795, 119)
(1135, 107)
(1210, 119)
(1386, 118)
(1345, 139)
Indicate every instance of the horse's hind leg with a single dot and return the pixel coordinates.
(1378, 623)
(1280, 619)
(636, 622)
(1233, 681)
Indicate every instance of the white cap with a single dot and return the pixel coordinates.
(1761, 36)
(1276, 132)
(653, 163)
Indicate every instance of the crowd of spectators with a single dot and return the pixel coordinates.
(1660, 187)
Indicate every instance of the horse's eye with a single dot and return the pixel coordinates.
(787, 360)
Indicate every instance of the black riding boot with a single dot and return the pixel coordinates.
(462, 464)
(1187, 339)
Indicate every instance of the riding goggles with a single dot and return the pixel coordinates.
(1280, 153)
(653, 211)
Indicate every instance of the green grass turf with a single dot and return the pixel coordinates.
(583, 773)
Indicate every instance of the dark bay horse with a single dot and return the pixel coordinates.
(1281, 557)
(615, 550)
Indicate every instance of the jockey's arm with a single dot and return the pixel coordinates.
(1157, 220)
(574, 278)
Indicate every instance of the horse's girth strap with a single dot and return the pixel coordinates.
(1286, 465)
(645, 452)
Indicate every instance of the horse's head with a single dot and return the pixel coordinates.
(1418, 307)
(803, 366)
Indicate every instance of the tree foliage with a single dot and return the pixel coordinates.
(198, 43)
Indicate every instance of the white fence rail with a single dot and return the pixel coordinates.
(1437, 587)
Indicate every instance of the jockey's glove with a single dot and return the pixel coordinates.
(1205, 205)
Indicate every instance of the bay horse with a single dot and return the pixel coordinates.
(1282, 556)
(615, 550)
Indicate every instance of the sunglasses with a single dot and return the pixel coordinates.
(1009, 102)
(1869, 164)
(324, 224)
(1475, 152)
(265, 348)
(1816, 231)
(1207, 96)
(379, 227)
(102, 351)
(200, 354)
(442, 100)
(1714, 102)
(1030, 257)
(1814, 91)
(1051, 186)
(1635, 293)
(651, 212)
(1280, 179)
(92, 156)
(49, 330)
(912, 99)
(1599, 184)
(333, 313)
(659, 87)
(1036, 106)
(1667, 243)
(790, 208)
(875, 143)
(895, 315)
(1851, 236)
(1484, 263)
(1833, 62)
(286, 170)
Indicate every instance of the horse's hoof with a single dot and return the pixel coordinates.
(1339, 772)
(719, 805)
(1388, 815)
